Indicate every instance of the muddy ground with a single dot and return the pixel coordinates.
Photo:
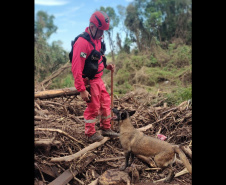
(66, 114)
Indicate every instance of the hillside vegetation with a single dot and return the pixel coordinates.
(161, 72)
(164, 73)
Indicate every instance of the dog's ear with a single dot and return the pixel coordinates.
(115, 110)
(123, 115)
(131, 112)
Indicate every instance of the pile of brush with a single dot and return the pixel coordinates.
(63, 155)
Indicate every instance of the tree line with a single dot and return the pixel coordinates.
(142, 21)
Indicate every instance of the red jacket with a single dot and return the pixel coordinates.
(81, 50)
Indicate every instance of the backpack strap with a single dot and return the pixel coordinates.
(84, 35)
(104, 60)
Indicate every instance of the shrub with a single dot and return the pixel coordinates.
(122, 76)
(180, 95)
(181, 56)
(63, 81)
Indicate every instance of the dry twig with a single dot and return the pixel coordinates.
(59, 131)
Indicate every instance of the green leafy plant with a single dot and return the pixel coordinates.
(181, 94)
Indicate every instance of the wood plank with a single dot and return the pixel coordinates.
(66, 176)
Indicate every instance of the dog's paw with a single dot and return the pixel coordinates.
(170, 177)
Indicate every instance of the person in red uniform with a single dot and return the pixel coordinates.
(98, 100)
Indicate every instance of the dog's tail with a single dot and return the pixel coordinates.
(183, 158)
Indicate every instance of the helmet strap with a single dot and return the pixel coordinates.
(92, 33)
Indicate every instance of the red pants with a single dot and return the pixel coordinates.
(100, 105)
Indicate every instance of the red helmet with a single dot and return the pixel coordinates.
(100, 19)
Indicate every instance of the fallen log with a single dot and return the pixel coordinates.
(57, 93)
(68, 175)
(80, 153)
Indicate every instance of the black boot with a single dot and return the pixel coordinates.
(95, 137)
(110, 133)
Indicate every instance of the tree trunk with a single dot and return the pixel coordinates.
(57, 93)
(138, 41)
(111, 46)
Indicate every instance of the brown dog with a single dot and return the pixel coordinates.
(135, 142)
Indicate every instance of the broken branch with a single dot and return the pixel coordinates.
(59, 131)
(81, 152)
(56, 73)
(109, 159)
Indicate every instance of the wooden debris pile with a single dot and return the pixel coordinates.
(63, 155)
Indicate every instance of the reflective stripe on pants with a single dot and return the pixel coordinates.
(100, 105)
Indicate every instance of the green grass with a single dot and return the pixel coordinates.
(63, 81)
(181, 94)
(150, 71)
(147, 70)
